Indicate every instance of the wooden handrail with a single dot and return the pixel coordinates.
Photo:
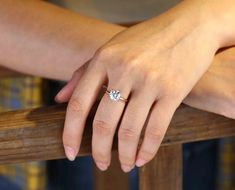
(5, 73)
(35, 134)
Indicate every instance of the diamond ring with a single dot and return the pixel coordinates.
(115, 95)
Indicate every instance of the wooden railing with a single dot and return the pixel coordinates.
(35, 134)
(4, 72)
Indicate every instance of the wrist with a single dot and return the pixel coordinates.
(219, 18)
(192, 18)
(215, 19)
(201, 15)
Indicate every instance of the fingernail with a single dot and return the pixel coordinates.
(60, 93)
(140, 162)
(126, 168)
(102, 166)
(70, 153)
(57, 97)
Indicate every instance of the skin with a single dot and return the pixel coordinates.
(76, 44)
(55, 40)
(216, 87)
(214, 92)
(149, 63)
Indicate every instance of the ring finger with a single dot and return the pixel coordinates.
(105, 122)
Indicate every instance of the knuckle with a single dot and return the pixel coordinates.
(125, 65)
(106, 52)
(128, 134)
(147, 154)
(150, 79)
(154, 134)
(75, 106)
(172, 89)
(130, 63)
(127, 160)
(167, 86)
(102, 128)
(99, 159)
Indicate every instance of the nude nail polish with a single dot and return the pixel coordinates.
(140, 162)
(70, 153)
(126, 168)
(102, 166)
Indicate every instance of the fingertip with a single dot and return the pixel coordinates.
(140, 162)
(102, 166)
(59, 99)
(59, 95)
(70, 153)
(126, 168)
(62, 95)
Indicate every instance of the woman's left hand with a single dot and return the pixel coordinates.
(154, 65)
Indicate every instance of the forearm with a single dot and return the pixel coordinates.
(215, 90)
(44, 40)
(220, 16)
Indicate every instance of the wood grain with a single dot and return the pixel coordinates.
(164, 172)
(36, 134)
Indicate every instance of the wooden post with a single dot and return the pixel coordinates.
(114, 178)
(164, 172)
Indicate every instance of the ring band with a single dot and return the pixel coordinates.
(115, 95)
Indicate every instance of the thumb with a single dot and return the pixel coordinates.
(66, 92)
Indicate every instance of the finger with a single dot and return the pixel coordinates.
(159, 120)
(130, 129)
(78, 108)
(66, 92)
(105, 122)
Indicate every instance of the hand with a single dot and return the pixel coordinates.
(154, 64)
(214, 92)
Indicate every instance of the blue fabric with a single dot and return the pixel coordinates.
(200, 165)
(6, 184)
(134, 178)
(200, 171)
(74, 175)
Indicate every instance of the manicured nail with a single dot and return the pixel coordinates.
(57, 97)
(60, 93)
(140, 162)
(126, 168)
(102, 166)
(70, 153)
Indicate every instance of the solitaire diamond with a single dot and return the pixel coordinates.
(115, 95)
